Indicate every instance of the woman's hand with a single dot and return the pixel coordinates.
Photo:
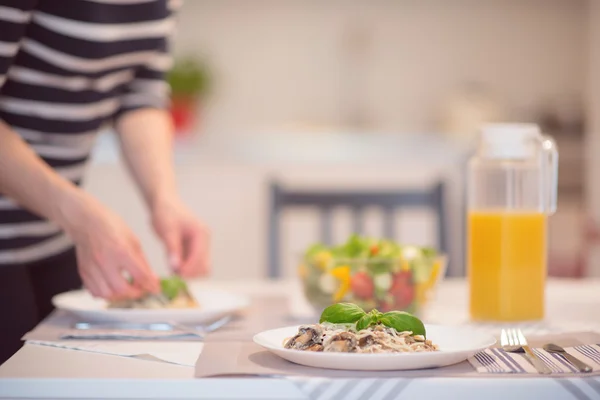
(108, 253)
(186, 239)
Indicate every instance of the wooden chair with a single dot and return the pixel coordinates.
(357, 200)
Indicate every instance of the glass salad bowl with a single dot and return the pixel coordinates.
(372, 273)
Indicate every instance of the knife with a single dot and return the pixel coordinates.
(157, 326)
(536, 361)
(162, 327)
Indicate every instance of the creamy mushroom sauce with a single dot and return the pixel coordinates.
(344, 339)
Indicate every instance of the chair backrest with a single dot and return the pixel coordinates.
(357, 200)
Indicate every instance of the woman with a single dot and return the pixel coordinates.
(68, 68)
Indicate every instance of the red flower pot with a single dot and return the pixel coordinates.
(184, 112)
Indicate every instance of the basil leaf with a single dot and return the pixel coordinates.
(402, 321)
(171, 286)
(368, 320)
(365, 322)
(342, 313)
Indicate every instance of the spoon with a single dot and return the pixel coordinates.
(580, 365)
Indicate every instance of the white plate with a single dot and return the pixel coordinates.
(213, 304)
(456, 345)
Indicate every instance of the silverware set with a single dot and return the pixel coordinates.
(197, 330)
(513, 341)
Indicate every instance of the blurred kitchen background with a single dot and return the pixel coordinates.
(377, 95)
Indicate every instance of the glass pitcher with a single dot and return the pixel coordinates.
(512, 189)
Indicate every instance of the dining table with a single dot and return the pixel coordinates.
(42, 371)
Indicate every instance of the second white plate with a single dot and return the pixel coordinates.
(456, 345)
(213, 304)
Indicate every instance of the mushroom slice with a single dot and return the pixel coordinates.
(315, 347)
(307, 336)
(409, 340)
(367, 340)
(344, 342)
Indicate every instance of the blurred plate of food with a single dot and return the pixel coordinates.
(372, 273)
(178, 301)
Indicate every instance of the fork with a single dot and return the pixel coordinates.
(513, 341)
(200, 330)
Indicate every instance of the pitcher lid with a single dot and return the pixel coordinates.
(509, 140)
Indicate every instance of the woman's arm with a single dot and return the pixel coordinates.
(146, 131)
(105, 246)
(33, 184)
(146, 141)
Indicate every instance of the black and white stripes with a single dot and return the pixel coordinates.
(66, 69)
(498, 361)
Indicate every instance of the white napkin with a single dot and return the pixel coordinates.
(180, 353)
(498, 361)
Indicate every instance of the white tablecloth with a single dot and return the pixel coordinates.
(45, 372)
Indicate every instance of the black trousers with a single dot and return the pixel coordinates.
(26, 292)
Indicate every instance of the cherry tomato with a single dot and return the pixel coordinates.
(386, 306)
(374, 250)
(362, 285)
(401, 279)
(402, 289)
(404, 297)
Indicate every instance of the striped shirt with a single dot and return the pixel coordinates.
(67, 69)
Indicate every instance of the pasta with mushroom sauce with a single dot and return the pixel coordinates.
(345, 339)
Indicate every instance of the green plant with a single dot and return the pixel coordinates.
(189, 77)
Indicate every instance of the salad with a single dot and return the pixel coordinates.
(372, 273)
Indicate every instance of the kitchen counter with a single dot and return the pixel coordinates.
(323, 148)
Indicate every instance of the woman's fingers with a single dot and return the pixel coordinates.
(91, 286)
(121, 289)
(110, 257)
(142, 275)
(105, 277)
(205, 259)
(173, 242)
(193, 263)
(94, 281)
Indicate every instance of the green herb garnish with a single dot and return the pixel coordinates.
(342, 313)
(348, 313)
(172, 286)
(402, 321)
(368, 320)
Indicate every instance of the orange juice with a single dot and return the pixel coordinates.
(507, 265)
